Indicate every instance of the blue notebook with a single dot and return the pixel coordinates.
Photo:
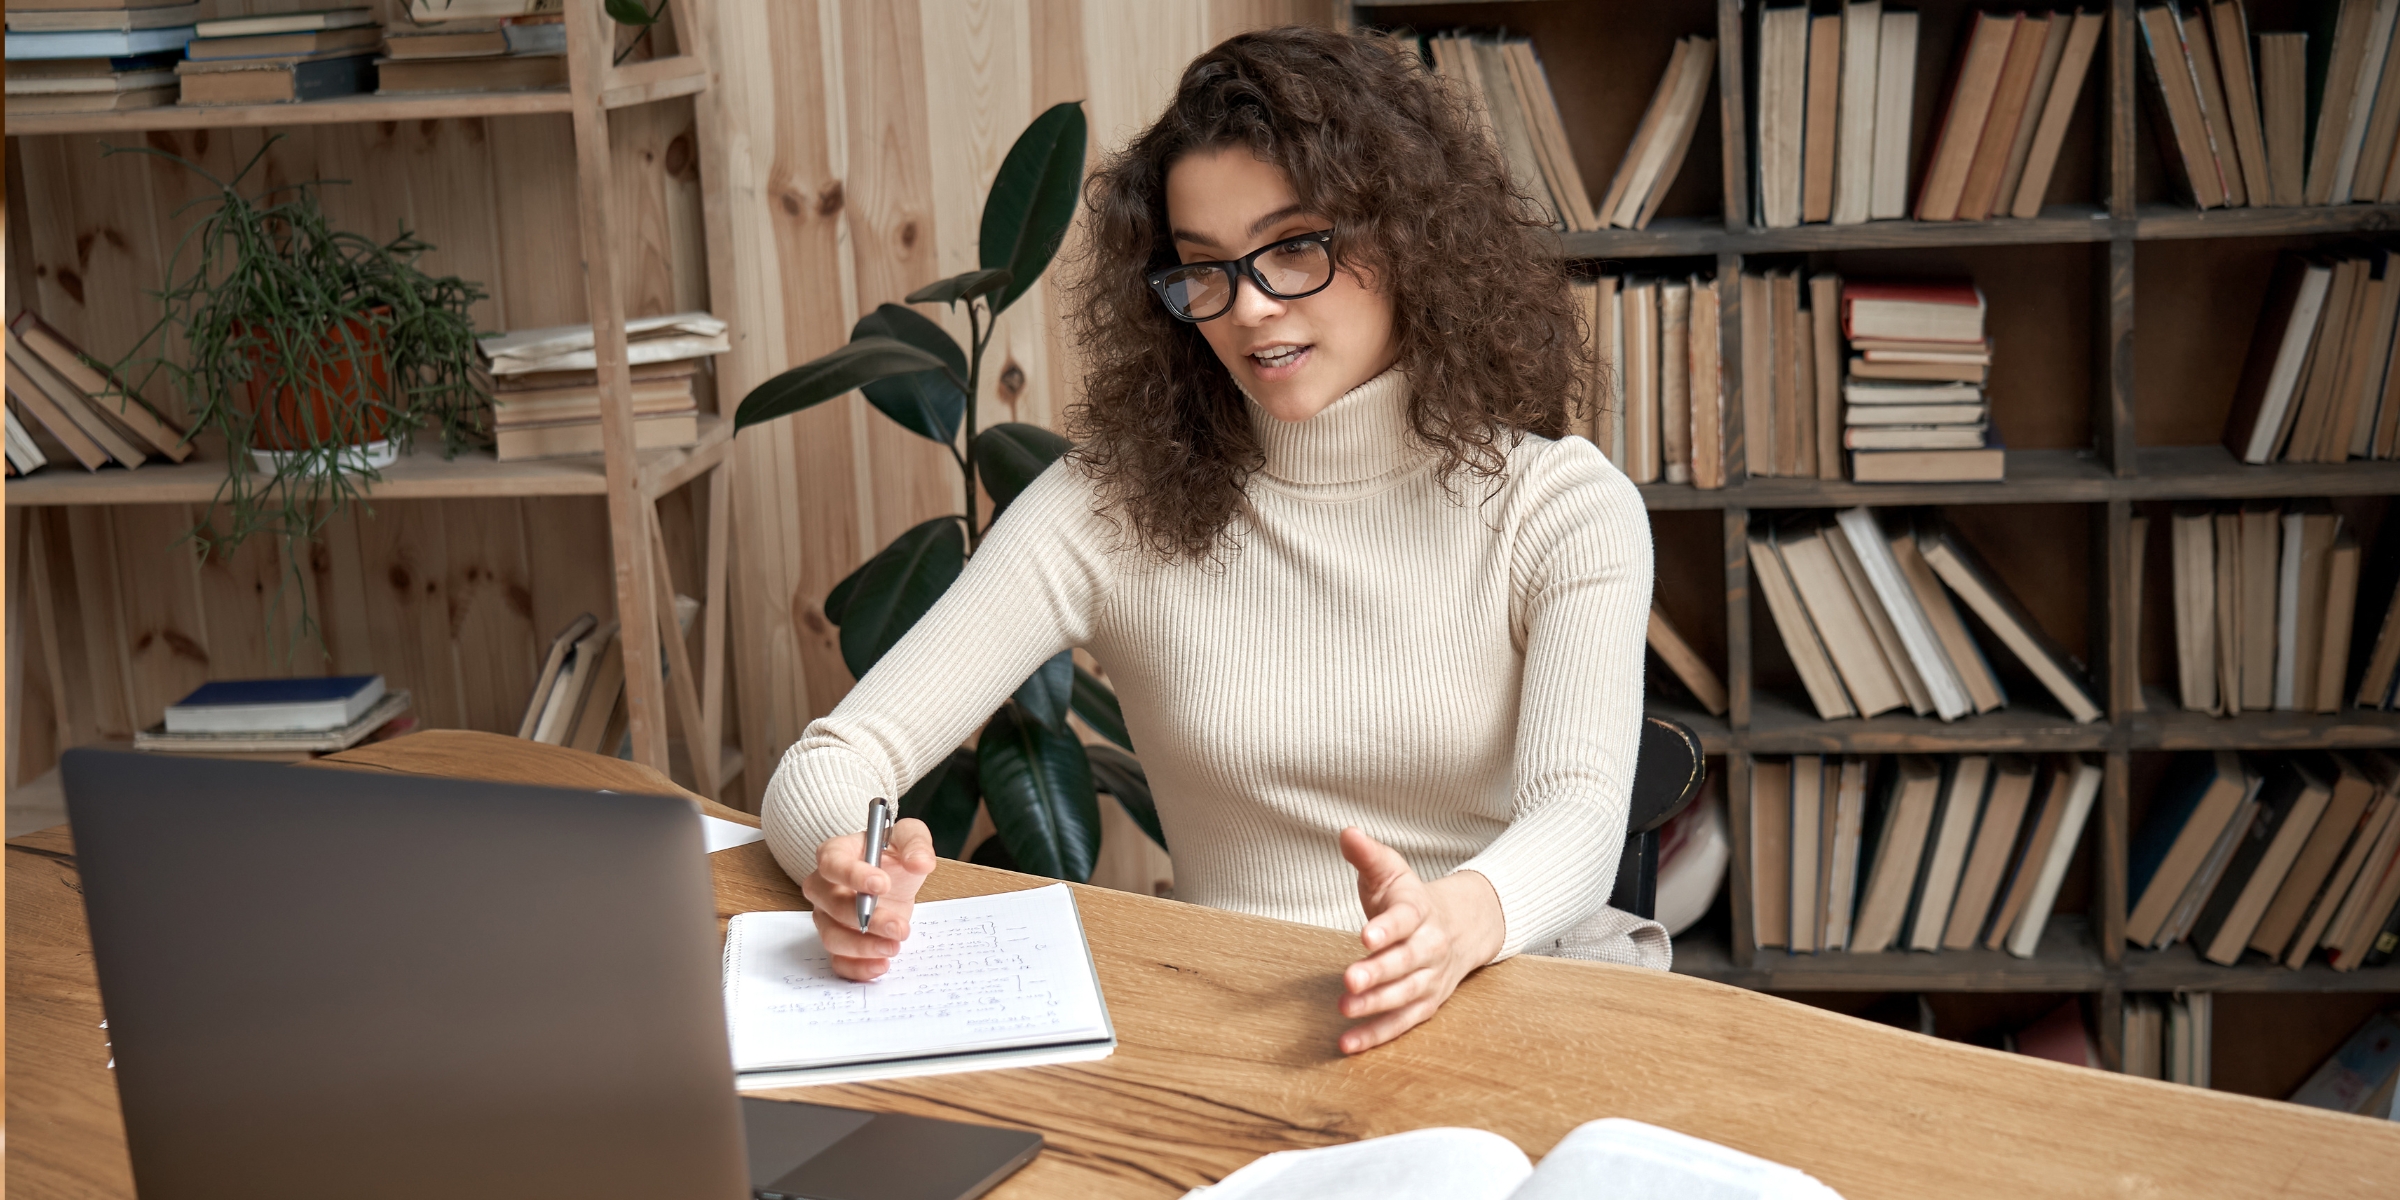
(275, 705)
(97, 43)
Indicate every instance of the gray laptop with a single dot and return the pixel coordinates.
(335, 983)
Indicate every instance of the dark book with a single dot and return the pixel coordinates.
(2386, 941)
(2279, 345)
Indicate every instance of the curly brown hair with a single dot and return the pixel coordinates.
(1420, 202)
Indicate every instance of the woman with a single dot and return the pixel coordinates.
(1377, 635)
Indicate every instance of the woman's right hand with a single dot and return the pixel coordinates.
(842, 873)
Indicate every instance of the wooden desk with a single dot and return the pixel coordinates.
(1226, 1027)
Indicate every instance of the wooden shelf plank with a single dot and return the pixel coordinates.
(2211, 472)
(1667, 237)
(2059, 223)
(2170, 222)
(2165, 725)
(1778, 725)
(2180, 968)
(2057, 477)
(423, 475)
(655, 79)
(2067, 960)
(425, 107)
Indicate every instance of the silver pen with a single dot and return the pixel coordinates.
(879, 829)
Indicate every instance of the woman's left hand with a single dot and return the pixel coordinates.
(1421, 939)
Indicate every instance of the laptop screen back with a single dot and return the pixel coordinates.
(336, 983)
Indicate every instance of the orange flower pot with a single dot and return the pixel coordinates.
(307, 413)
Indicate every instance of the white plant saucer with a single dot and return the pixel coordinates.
(370, 456)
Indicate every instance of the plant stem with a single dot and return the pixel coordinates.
(976, 337)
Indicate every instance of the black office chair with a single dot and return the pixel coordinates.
(1667, 771)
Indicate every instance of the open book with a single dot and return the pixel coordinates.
(982, 982)
(1614, 1157)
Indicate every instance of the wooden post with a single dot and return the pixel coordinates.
(590, 44)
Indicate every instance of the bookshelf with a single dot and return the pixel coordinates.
(662, 674)
(2073, 280)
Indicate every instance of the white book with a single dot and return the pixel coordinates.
(1895, 99)
(2287, 615)
(2283, 378)
(1917, 634)
(22, 450)
(1613, 1156)
(2028, 931)
(982, 982)
(666, 338)
(1854, 137)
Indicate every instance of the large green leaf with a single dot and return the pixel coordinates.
(992, 851)
(1119, 774)
(929, 404)
(628, 12)
(1097, 704)
(837, 601)
(964, 286)
(1011, 455)
(897, 586)
(1044, 693)
(1037, 784)
(814, 382)
(945, 800)
(1033, 199)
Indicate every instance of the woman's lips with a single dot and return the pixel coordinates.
(1284, 365)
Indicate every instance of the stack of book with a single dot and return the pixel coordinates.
(546, 390)
(1511, 93)
(88, 56)
(1914, 406)
(68, 407)
(2167, 1037)
(1659, 399)
(1864, 609)
(503, 46)
(2285, 855)
(1659, 143)
(1792, 373)
(2006, 116)
(2319, 382)
(2361, 1075)
(2264, 602)
(281, 58)
(1967, 851)
(2234, 131)
(278, 720)
(579, 700)
(1835, 93)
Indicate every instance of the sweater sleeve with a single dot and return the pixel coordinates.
(1582, 560)
(1026, 594)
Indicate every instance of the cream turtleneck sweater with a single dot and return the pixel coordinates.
(1459, 675)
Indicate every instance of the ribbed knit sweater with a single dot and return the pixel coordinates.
(1457, 670)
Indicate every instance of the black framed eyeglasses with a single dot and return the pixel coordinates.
(1287, 270)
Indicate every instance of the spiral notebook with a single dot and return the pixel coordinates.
(982, 982)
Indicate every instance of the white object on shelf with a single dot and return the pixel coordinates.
(368, 456)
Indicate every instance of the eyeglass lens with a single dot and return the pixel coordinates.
(1286, 270)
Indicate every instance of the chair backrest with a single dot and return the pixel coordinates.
(1666, 773)
(1667, 770)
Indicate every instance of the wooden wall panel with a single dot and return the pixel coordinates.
(842, 187)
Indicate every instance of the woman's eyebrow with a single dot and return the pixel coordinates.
(1259, 226)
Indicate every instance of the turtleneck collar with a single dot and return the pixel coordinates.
(1363, 436)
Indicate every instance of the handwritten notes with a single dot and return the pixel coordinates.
(977, 975)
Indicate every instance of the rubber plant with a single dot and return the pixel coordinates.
(304, 343)
(1039, 781)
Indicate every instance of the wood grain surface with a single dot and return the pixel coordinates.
(1226, 1028)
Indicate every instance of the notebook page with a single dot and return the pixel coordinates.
(976, 974)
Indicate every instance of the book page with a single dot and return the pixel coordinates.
(1620, 1157)
(1431, 1164)
(976, 974)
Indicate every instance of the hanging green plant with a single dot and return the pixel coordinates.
(317, 354)
(1039, 781)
